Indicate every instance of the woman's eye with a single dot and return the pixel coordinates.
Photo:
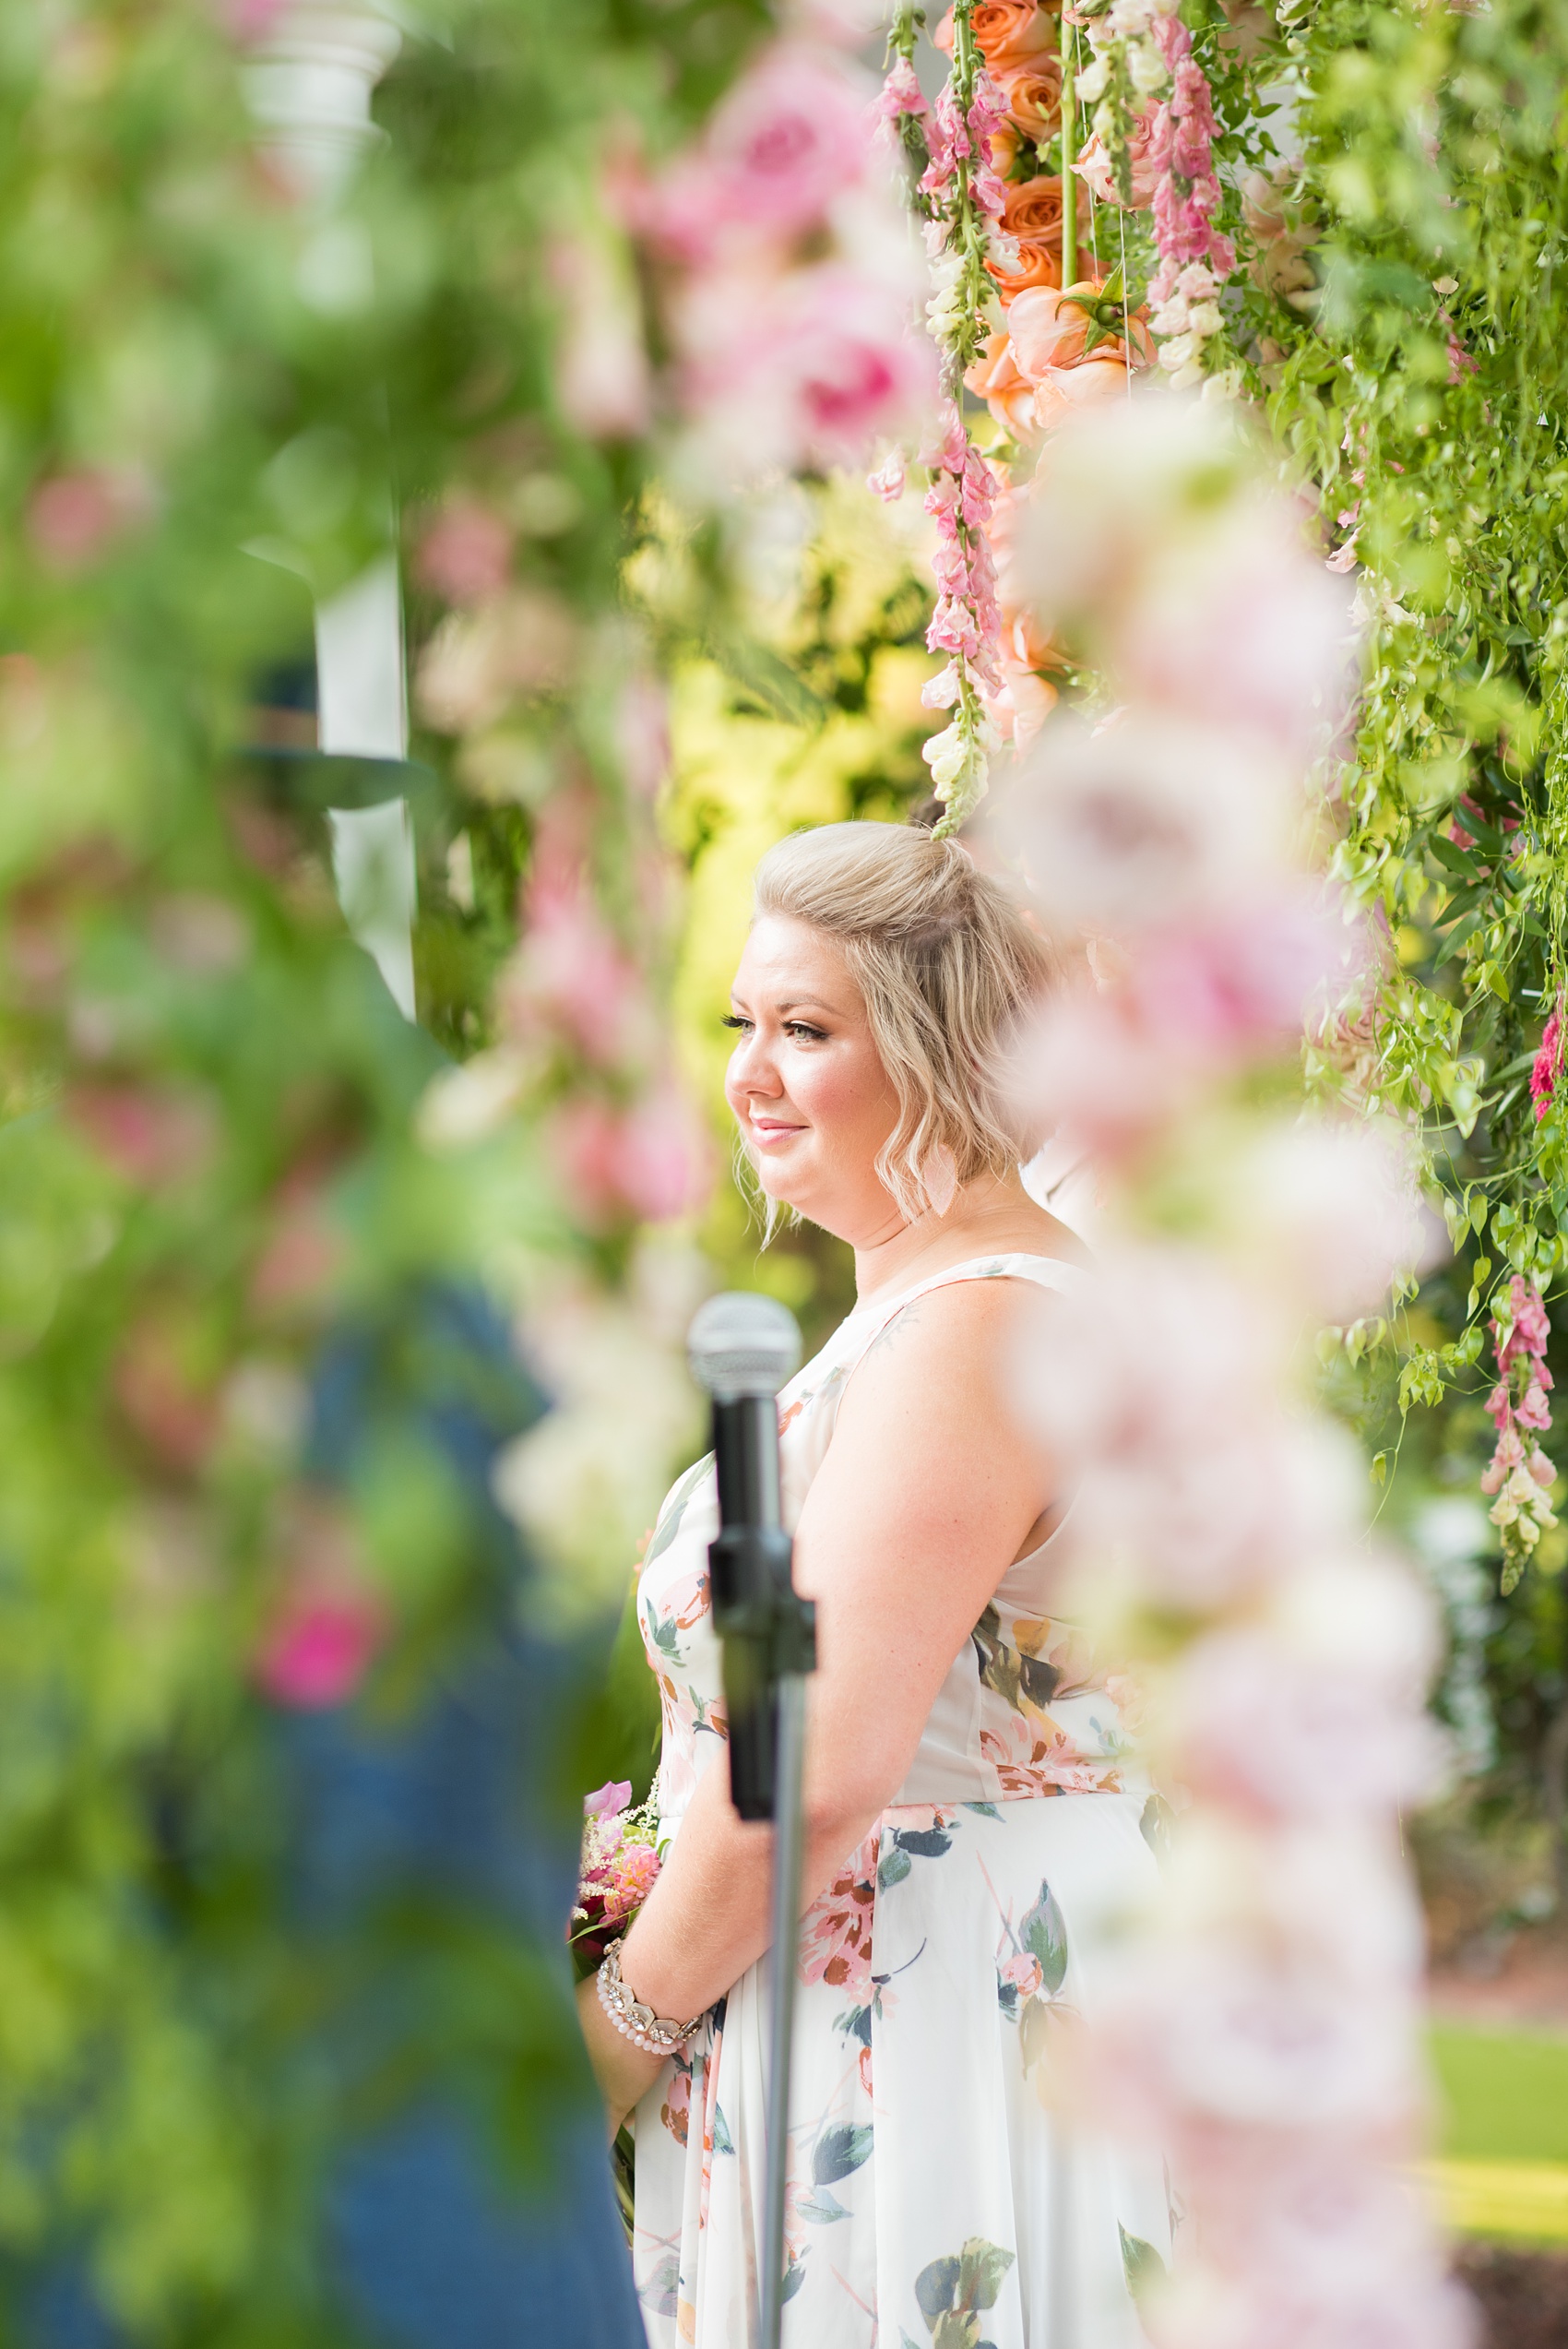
(798, 1028)
(731, 1020)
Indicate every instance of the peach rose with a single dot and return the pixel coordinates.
(1093, 166)
(1048, 329)
(995, 377)
(1103, 375)
(1033, 91)
(1005, 31)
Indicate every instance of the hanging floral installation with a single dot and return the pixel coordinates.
(997, 184)
(1265, 2032)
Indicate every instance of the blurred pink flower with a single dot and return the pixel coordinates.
(633, 1875)
(809, 368)
(612, 1796)
(1288, 1732)
(602, 377)
(150, 1134)
(466, 553)
(650, 1161)
(792, 135)
(571, 974)
(320, 1647)
(72, 519)
(1212, 2034)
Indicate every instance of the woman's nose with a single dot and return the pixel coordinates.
(752, 1069)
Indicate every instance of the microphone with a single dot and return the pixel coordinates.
(742, 1347)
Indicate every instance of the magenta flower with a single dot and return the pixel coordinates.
(320, 1649)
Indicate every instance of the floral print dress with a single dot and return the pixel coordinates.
(934, 2200)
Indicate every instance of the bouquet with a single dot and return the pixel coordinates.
(618, 1869)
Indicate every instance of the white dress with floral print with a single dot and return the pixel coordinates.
(933, 2201)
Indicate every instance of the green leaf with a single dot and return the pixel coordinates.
(982, 2271)
(1141, 2263)
(838, 2151)
(893, 1868)
(934, 2287)
(1044, 1935)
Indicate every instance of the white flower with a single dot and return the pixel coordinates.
(945, 753)
(1173, 317)
(942, 691)
(1093, 81)
(1146, 68)
(1179, 352)
(1187, 378)
(1203, 318)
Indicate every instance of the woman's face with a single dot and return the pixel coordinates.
(813, 1103)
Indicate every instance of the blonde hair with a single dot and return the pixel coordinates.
(948, 967)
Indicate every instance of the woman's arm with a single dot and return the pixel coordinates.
(928, 1490)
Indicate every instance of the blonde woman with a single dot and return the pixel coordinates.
(968, 1816)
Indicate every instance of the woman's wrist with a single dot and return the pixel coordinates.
(635, 2019)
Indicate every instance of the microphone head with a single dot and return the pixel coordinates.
(742, 1344)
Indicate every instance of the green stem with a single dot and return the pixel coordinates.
(1069, 182)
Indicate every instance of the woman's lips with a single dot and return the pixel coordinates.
(768, 1132)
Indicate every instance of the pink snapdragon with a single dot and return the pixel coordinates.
(1548, 1064)
(1519, 1473)
(1186, 197)
(966, 621)
(900, 94)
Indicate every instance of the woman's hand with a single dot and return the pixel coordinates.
(624, 2072)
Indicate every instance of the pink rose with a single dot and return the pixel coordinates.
(1022, 1973)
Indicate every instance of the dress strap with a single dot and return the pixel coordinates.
(1046, 1272)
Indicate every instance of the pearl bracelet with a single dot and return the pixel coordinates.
(634, 2022)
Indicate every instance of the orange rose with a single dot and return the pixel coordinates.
(1037, 265)
(1033, 209)
(1006, 32)
(995, 378)
(1032, 213)
(1033, 91)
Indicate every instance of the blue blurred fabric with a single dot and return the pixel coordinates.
(431, 2240)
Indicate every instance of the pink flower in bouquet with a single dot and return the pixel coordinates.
(996, 377)
(1094, 168)
(793, 134)
(609, 1799)
(633, 1875)
(1532, 1409)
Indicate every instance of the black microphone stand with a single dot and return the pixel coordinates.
(742, 1347)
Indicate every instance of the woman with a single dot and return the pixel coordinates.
(969, 1818)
